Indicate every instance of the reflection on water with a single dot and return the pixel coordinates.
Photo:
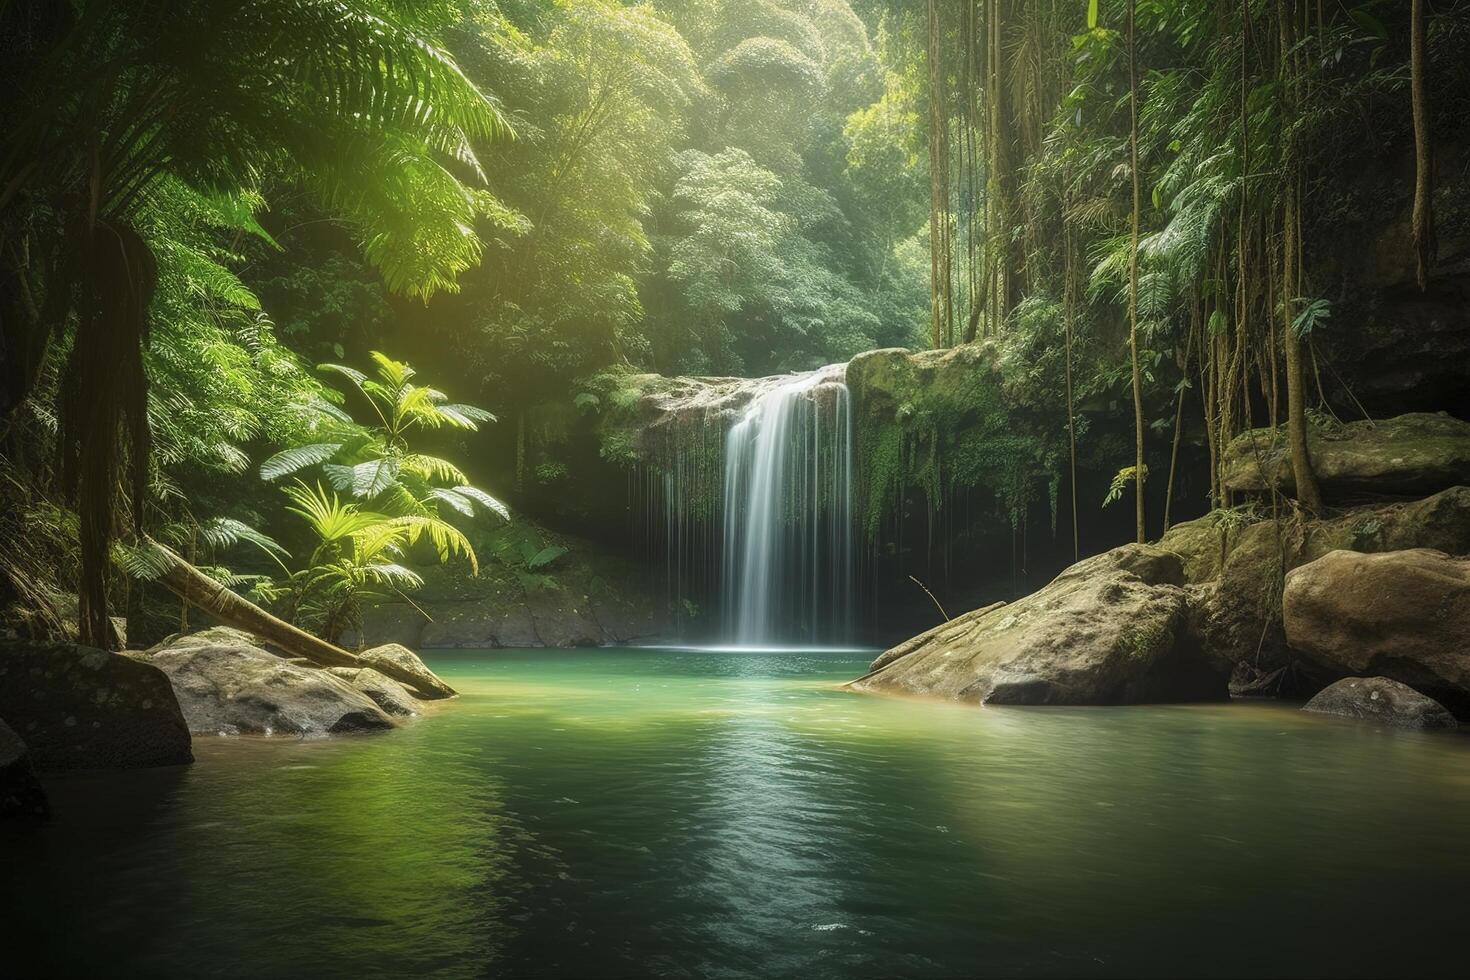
(616, 813)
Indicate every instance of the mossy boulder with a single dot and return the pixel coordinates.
(1412, 454)
(81, 708)
(1108, 630)
(1201, 545)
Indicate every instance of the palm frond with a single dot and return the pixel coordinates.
(363, 480)
(484, 500)
(297, 458)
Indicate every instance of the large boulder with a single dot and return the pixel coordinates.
(402, 664)
(1108, 630)
(20, 794)
(1382, 700)
(1404, 615)
(1419, 453)
(228, 686)
(77, 707)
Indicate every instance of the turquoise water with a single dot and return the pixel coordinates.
(634, 813)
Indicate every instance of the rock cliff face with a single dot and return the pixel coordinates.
(535, 589)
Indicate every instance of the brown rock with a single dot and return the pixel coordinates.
(1404, 615)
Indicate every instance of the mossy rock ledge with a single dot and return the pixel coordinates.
(1418, 453)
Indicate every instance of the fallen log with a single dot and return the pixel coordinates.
(198, 589)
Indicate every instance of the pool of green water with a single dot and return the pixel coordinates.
(683, 813)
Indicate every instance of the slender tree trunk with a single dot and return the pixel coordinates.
(937, 188)
(1068, 299)
(1174, 458)
(1424, 239)
(1307, 490)
(1138, 471)
(520, 450)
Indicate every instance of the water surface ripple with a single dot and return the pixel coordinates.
(723, 814)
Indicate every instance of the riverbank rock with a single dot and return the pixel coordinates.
(1235, 569)
(1418, 453)
(1401, 614)
(402, 663)
(1382, 700)
(81, 708)
(228, 686)
(1108, 630)
(384, 691)
(21, 796)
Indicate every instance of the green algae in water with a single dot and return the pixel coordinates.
(682, 813)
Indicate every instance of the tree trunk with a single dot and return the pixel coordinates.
(1305, 478)
(198, 589)
(1424, 242)
(1068, 300)
(1138, 471)
(1307, 491)
(1174, 455)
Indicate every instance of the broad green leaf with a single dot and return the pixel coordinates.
(546, 556)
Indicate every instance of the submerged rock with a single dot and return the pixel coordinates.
(21, 795)
(81, 708)
(1421, 452)
(229, 687)
(385, 692)
(403, 664)
(1383, 700)
(1108, 630)
(1402, 614)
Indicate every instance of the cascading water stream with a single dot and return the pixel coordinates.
(787, 535)
(745, 496)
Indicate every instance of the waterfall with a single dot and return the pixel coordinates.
(742, 490)
(787, 513)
